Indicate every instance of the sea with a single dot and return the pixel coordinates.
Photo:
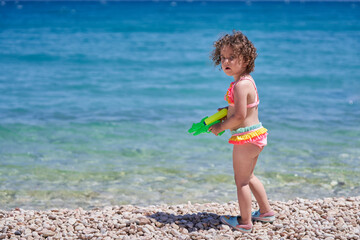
(96, 99)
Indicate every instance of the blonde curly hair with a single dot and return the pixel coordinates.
(241, 46)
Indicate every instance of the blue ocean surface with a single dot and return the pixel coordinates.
(96, 99)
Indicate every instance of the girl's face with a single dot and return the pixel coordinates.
(231, 64)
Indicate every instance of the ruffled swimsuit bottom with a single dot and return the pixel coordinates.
(255, 134)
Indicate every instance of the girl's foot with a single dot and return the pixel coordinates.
(234, 223)
(263, 217)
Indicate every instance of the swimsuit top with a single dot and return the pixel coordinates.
(229, 96)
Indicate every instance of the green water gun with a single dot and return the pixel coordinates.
(206, 122)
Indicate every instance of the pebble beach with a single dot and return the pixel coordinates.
(328, 218)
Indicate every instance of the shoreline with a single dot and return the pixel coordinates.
(328, 218)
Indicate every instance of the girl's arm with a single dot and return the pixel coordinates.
(241, 90)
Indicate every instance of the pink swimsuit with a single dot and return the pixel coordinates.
(255, 134)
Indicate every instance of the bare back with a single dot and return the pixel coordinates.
(251, 112)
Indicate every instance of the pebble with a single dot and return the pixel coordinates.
(146, 230)
(199, 225)
(70, 228)
(144, 221)
(174, 232)
(278, 225)
(329, 218)
(225, 227)
(47, 233)
(190, 225)
(79, 227)
(72, 221)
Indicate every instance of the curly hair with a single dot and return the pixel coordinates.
(241, 46)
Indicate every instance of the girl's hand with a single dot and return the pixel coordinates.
(224, 118)
(216, 128)
(219, 109)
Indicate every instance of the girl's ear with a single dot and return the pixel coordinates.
(244, 61)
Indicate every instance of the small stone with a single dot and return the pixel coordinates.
(225, 227)
(333, 183)
(144, 221)
(121, 225)
(146, 230)
(90, 230)
(70, 228)
(175, 226)
(20, 219)
(79, 227)
(159, 224)
(46, 225)
(327, 235)
(278, 225)
(130, 221)
(174, 232)
(189, 225)
(47, 233)
(18, 232)
(199, 225)
(214, 222)
(33, 227)
(72, 221)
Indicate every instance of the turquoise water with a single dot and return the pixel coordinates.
(96, 99)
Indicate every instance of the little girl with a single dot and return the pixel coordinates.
(237, 54)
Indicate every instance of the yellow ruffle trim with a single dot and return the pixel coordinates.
(248, 135)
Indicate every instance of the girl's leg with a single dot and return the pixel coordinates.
(257, 188)
(244, 161)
